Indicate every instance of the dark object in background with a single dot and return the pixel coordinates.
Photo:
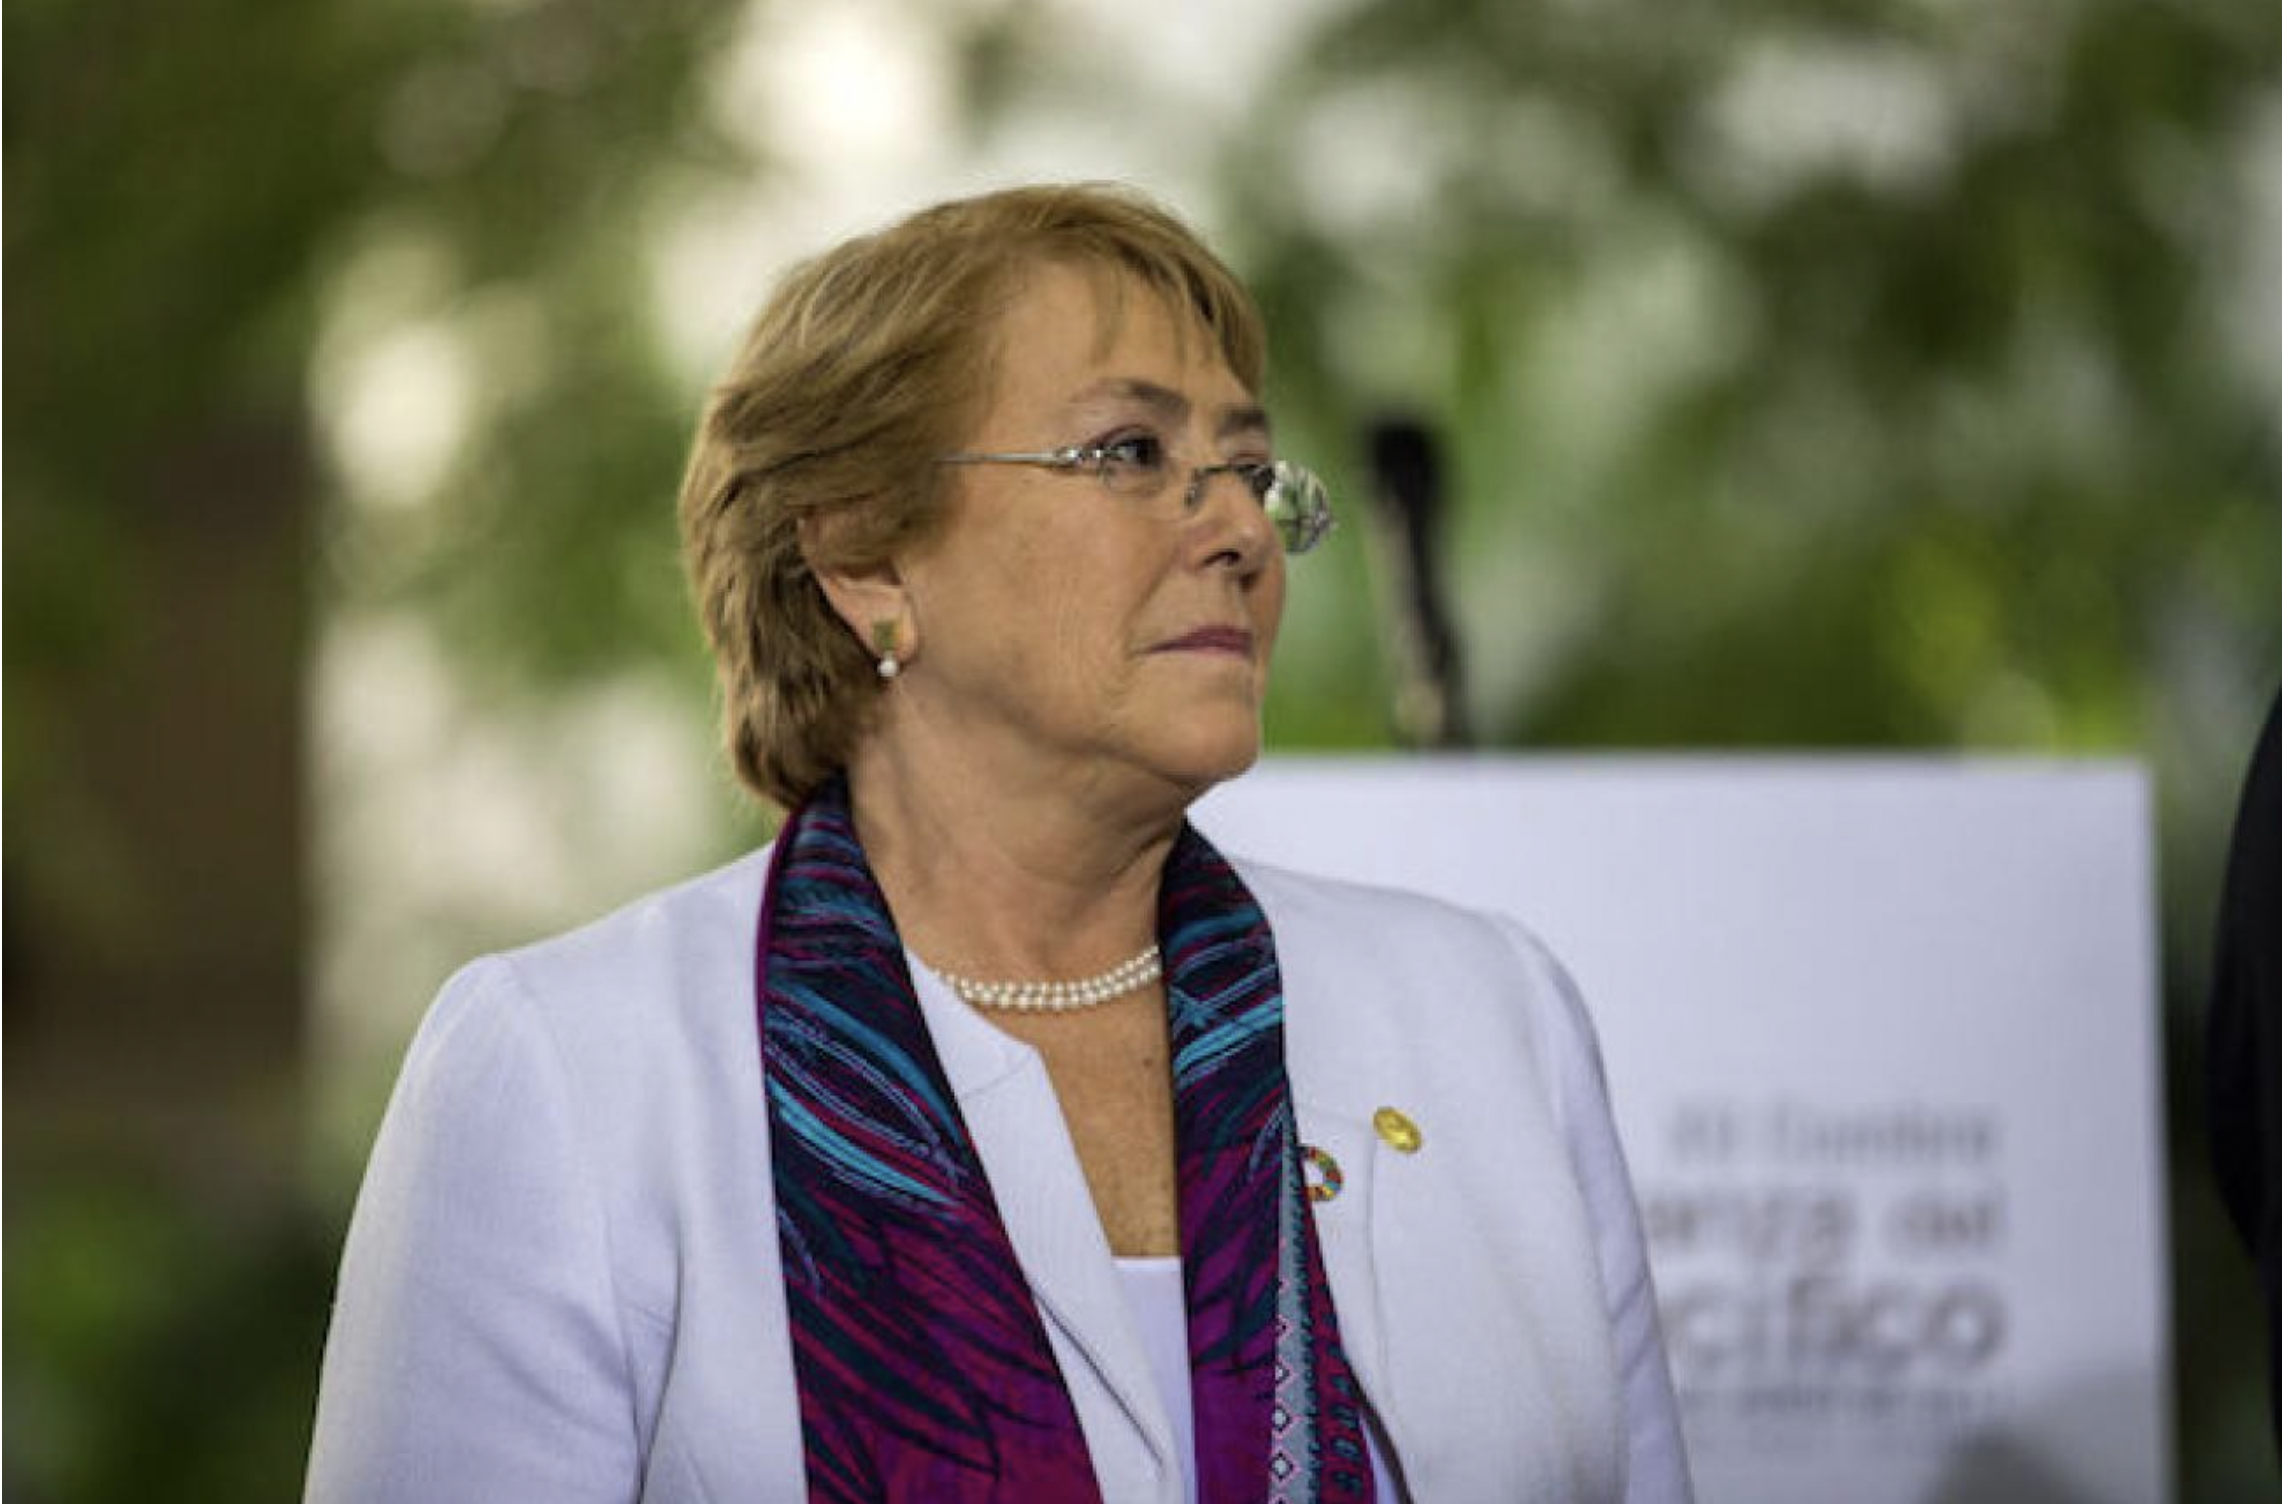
(2245, 1037)
(1407, 512)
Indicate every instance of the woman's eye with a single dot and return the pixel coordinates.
(1260, 475)
(1134, 451)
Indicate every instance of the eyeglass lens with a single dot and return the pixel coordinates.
(1291, 495)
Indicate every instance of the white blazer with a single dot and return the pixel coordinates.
(562, 1282)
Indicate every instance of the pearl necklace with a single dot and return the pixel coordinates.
(1057, 997)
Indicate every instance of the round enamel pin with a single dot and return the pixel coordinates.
(1322, 1173)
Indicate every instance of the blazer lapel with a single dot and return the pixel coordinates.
(1336, 1087)
(1347, 1224)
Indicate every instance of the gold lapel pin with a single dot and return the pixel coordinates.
(1398, 1131)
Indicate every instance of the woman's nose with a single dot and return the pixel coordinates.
(1249, 537)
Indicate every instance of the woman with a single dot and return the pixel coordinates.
(990, 1136)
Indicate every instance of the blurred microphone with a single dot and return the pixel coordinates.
(1406, 515)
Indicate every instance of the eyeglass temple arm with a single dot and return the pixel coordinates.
(1058, 459)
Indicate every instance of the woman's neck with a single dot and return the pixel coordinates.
(1009, 877)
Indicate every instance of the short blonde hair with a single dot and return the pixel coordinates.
(869, 363)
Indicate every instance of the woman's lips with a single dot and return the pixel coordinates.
(1231, 640)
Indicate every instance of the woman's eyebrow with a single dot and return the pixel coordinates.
(1164, 403)
(1248, 419)
(1172, 408)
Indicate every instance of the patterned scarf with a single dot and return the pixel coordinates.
(923, 1364)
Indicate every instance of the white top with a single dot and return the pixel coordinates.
(563, 1283)
(1160, 1305)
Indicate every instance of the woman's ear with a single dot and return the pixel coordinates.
(871, 600)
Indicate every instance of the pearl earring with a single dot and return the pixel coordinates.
(883, 643)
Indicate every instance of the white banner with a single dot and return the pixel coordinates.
(1883, 1042)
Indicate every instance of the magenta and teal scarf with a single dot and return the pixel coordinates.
(924, 1369)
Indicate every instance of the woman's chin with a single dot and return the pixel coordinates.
(1209, 756)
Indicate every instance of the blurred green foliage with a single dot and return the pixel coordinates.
(1929, 423)
(160, 1345)
(1874, 374)
(186, 186)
